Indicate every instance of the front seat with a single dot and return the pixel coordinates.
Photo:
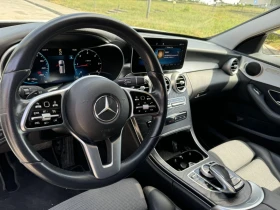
(126, 194)
(250, 161)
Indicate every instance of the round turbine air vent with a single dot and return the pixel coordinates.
(231, 66)
(167, 83)
(180, 84)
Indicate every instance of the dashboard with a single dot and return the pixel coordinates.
(79, 53)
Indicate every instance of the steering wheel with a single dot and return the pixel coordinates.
(93, 109)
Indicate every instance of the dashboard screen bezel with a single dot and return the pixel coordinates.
(164, 42)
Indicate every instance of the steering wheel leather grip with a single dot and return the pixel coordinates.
(13, 109)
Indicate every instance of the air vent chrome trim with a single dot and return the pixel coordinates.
(168, 86)
(175, 85)
(231, 67)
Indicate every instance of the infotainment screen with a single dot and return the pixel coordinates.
(170, 53)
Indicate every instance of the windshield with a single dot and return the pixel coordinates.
(199, 18)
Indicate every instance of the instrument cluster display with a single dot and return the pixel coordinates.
(59, 65)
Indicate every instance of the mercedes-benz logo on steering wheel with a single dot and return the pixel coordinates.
(106, 108)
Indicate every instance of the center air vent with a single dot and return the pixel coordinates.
(167, 83)
(180, 84)
(231, 67)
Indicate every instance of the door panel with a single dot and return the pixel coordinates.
(248, 112)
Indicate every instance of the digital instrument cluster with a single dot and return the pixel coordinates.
(59, 65)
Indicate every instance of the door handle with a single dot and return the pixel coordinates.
(275, 95)
(258, 98)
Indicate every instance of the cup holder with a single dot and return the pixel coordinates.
(185, 160)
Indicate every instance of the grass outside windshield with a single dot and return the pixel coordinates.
(192, 18)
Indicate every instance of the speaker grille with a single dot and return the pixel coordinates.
(253, 69)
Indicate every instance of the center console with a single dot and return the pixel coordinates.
(179, 153)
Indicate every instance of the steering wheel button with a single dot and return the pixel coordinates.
(38, 106)
(145, 106)
(55, 111)
(46, 123)
(37, 123)
(55, 120)
(44, 111)
(47, 104)
(36, 113)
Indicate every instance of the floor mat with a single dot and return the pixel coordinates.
(33, 192)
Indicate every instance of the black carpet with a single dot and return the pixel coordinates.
(33, 193)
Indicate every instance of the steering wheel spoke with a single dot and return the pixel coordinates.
(142, 103)
(43, 112)
(112, 163)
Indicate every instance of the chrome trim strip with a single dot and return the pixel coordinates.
(99, 170)
(136, 129)
(277, 102)
(259, 74)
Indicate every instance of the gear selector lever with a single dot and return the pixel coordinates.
(230, 182)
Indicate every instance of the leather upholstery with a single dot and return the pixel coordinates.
(263, 167)
(271, 159)
(157, 200)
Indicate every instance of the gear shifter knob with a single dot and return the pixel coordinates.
(223, 177)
